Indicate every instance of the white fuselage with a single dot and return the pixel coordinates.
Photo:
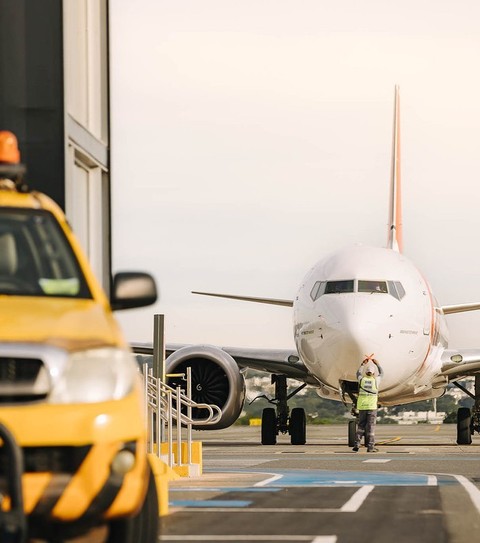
(366, 301)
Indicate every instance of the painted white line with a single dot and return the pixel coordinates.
(377, 461)
(432, 481)
(269, 480)
(356, 501)
(270, 510)
(311, 538)
(471, 489)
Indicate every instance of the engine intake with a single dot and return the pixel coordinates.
(216, 379)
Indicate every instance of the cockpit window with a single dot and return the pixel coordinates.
(373, 286)
(394, 288)
(317, 290)
(339, 287)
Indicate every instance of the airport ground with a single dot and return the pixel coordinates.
(420, 486)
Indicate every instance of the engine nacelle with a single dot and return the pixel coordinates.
(216, 379)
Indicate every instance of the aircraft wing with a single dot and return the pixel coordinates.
(459, 363)
(459, 308)
(272, 361)
(256, 299)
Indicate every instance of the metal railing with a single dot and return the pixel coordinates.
(167, 408)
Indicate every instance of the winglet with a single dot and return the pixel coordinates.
(395, 227)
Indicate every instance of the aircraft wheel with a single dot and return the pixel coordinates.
(298, 426)
(352, 432)
(142, 527)
(464, 433)
(269, 426)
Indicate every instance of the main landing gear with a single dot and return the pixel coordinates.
(280, 420)
(468, 422)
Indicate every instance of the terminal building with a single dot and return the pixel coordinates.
(55, 97)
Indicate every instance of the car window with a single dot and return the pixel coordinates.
(36, 258)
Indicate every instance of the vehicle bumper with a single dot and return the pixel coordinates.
(69, 453)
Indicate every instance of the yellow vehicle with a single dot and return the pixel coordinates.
(70, 393)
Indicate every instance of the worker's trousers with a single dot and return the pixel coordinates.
(366, 427)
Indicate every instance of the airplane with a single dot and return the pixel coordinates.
(359, 302)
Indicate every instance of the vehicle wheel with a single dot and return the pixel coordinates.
(269, 426)
(464, 433)
(352, 432)
(298, 426)
(142, 527)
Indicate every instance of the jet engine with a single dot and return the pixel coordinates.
(216, 379)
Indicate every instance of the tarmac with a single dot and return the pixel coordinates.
(420, 486)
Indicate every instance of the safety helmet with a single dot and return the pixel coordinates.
(370, 370)
(9, 152)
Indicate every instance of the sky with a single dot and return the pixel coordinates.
(251, 138)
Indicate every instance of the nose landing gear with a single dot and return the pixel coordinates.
(280, 420)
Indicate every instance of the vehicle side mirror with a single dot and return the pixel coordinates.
(132, 289)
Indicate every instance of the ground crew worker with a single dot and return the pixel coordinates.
(367, 403)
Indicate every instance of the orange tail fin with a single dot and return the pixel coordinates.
(395, 229)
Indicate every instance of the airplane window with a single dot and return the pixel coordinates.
(317, 290)
(339, 287)
(373, 286)
(400, 289)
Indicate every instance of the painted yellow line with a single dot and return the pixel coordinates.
(398, 438)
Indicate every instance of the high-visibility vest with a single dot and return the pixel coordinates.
(368, 394)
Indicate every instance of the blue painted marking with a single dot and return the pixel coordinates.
(210, 503)
(350, 478)
(311, 478)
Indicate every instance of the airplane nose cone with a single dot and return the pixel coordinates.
(351, 335)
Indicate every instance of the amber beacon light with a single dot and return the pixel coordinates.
(9, 152)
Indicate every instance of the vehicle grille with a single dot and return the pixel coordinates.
(48, 459)
(19, 370)
(22, 379)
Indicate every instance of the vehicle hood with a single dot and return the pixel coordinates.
(65, 323)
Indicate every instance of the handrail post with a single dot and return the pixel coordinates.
(151, 410)
(179, 426)
(158, 416)
(189, 415)
(146, 406)
(169, 429)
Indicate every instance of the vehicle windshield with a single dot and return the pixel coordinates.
(36, 258)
